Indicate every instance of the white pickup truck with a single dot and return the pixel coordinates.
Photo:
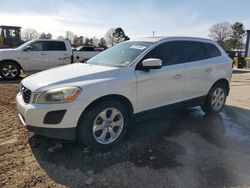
(38, 55)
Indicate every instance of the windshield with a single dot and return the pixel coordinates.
(120, 55)
(23, 45)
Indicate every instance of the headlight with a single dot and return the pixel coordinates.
(59, 95)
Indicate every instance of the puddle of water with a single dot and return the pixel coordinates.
(235, 130)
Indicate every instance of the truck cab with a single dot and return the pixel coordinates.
(10, 36)
(33, 56)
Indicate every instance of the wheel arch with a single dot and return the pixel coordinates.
(223, 81)
(13, 61)
(121, 98)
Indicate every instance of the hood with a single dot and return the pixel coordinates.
(78, 74)
(9, 53)
(7, 50)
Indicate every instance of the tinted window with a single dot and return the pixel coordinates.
(37, 46)
(167, 52)
(87, 49)
(192, 51)
(55, 46)
(212, 50)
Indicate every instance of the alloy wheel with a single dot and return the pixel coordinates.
(9, 71)
(108, 126)
(218, 99)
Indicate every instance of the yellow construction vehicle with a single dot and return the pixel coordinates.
(10, 36)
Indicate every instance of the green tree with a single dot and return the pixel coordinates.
(88, 42)
(119, 35)
(236, 38)
(102, 43)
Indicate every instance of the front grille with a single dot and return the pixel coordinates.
(26, 93)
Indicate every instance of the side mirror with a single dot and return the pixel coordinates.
(27, 48)
(151, 63)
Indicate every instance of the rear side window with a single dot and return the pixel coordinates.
(167, 52)
(212, 50)
(192, 51)
(55, 46)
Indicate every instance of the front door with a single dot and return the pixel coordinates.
(36, 58)
(160, 87)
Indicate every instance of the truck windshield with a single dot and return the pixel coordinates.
(120, 55)
(23, 45)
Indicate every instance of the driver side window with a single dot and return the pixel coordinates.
(168, 52)
(37, 46)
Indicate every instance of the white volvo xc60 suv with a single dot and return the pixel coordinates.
(95, 102)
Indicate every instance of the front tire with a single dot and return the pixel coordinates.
(10, 71)
(215, 100)
(103, 125)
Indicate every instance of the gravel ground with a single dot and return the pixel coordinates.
(181, 149)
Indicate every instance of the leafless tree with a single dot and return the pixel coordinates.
(95, 41)
(109, 37)
(29, 34)
(81, 40)
(69, 36)
(220, 32)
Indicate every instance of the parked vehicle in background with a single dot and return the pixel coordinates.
(38, 55)
(238, 57)
(84, 53)
(10, 36)
(96, 102)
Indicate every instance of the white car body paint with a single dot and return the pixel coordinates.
(145, 90)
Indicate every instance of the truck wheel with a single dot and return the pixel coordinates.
(103, 125)
(215, 100)
(10, 70)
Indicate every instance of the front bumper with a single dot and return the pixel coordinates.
(33, 116)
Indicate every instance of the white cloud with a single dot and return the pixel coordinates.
(56, 25)
(94, 18)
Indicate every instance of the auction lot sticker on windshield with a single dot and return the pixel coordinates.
(138, 47)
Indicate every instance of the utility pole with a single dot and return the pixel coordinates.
(153, 33)
(247, 49)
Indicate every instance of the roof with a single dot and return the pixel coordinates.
(3, 26)
(161, 38)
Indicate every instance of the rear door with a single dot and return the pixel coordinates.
(37, 58)
(160, 87)
(194, 56)
(58, 53)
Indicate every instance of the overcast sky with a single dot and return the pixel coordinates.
(138, 18)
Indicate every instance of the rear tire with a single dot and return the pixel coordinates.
(10, 70)
(103, 125)
(215, 99)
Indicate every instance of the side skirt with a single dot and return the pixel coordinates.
(171, 107)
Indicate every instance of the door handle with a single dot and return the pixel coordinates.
(177, 77)
(43, 54)
(208, 70)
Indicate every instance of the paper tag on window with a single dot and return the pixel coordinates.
(138, 47)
